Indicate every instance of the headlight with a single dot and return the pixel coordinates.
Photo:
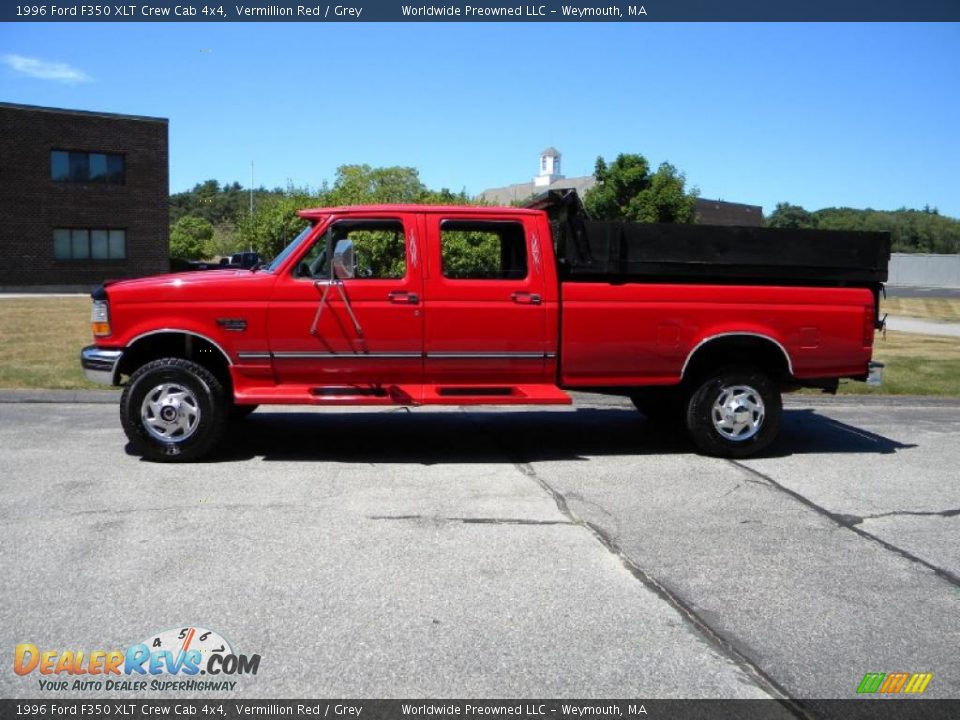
(100, 318)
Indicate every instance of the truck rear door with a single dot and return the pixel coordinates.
(485, 316)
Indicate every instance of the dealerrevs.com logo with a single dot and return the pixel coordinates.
(183, 653)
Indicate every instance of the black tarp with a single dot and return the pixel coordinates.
(589, 249)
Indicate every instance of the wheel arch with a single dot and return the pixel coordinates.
(178, 343)
(738, 347)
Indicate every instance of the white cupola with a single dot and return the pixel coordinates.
(549, 168)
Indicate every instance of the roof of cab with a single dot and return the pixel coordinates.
(314, 213)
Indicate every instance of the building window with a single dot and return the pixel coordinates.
(89, 244)
(87, 167)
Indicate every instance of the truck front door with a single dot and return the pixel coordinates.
(347, 319)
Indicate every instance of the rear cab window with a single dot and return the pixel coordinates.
(483, 250)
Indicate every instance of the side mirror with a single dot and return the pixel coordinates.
(344, 260)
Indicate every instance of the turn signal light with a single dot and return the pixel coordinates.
(100, 319)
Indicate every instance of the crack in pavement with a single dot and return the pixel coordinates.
(918, 513)
(686, 611)
(851, 522)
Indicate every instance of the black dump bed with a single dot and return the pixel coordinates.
(589, 250)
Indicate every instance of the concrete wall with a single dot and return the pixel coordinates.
(925, 270)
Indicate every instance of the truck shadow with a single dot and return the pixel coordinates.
(428, 438)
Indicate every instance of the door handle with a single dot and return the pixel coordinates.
(401, 297)
(525, 298)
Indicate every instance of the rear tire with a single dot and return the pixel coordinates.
(734, 413)
(173, 410)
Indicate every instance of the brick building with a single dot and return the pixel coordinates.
(83, 196)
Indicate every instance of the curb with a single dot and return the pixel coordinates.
(65, 397)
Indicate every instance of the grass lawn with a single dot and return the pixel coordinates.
(40, 342)
(944, 309)
(41, 338)
(915, 365)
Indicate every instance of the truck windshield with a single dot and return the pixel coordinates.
(278, 260)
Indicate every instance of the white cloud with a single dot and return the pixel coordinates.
(61, 72)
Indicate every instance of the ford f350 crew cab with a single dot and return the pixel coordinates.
(438, 305)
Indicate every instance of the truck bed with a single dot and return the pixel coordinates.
(590, 250)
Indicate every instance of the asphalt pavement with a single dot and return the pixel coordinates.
(567, 552)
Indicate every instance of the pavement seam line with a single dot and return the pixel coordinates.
(850, 522)
(682, 608)
(469, 520)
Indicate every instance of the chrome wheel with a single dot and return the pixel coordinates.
(173, 410)
(738, 412)
(170, 412)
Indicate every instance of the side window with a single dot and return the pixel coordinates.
(378, 251)
(479, 250)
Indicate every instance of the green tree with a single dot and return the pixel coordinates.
(189, 238)
(910, 230)
(274, 223)
(215, 203)
(627, 190)
(786, 215)
(362, 184)
(225, 241)
(470, 253)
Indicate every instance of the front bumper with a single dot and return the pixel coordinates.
(99, 365)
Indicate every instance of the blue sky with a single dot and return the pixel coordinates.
(861, 115)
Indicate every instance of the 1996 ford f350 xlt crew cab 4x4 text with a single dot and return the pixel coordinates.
(416, 305)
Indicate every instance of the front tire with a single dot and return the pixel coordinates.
(173, 410)
(734, 413)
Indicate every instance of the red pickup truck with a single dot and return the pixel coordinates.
(423, 305)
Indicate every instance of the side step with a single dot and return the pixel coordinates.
(542, 394)
(330, 395)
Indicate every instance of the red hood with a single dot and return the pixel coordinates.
(227, 284)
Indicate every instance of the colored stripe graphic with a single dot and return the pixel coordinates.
(918, 682)
(870, 683)
(894, 683)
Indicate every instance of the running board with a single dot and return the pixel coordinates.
(330, 395)
(537, 394)
(494, 395)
